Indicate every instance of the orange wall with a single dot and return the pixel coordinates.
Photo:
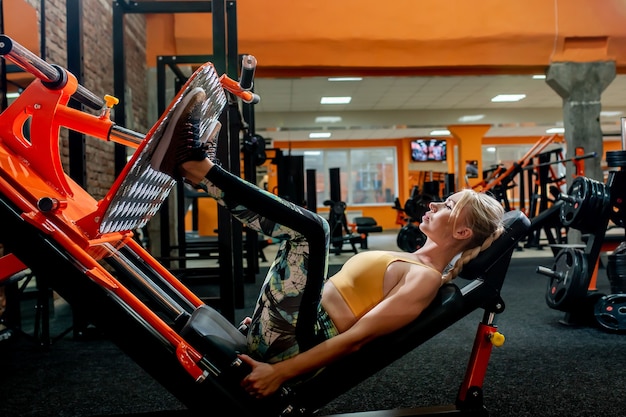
(475, 36)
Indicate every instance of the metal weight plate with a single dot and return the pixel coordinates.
(610, 312)
(575, 204)
(410, 238)
(600, 204)
(411, 209)
(592, 207)
(616, 159)
(568, 282)
(416, 207)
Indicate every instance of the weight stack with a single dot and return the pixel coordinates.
(616, 272)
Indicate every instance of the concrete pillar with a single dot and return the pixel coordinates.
(581, 84)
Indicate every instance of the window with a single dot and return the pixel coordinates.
(367, 176)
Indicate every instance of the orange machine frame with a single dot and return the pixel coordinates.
(31, 173)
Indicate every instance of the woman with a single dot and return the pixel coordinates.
(304, 321)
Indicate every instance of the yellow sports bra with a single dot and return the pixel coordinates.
(360, 280)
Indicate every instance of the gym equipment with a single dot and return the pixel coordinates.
(86, 251)
(588, 206)
(583, 202)
(568, 279)
(365, 226)
(340, 233)
(501, 179)
(410, 237)
(610, 312)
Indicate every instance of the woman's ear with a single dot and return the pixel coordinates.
(463, 232)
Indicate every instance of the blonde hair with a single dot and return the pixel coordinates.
(483, 214)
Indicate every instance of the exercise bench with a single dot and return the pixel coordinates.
(484, 275)
(365, 226)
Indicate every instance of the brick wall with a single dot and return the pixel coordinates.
(97, 22)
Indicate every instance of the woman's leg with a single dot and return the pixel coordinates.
(284, 321)
(290, 297)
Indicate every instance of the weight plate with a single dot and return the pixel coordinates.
(610, 312)
(568, 283)
(616, 159)
(572, 208)
(410, 238)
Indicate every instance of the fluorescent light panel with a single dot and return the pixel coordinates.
(319, 135)
(556, 130)
(345, 78)
(500, 98)
(610, 113)
(336, 100)
(440, 132)
(471, 118)
(539, 77)
(328, 119)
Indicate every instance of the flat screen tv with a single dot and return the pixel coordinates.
(423, 150)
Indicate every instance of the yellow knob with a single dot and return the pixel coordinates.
(110, 101)
(497, 339)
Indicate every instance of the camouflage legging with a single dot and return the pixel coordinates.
(288, 317)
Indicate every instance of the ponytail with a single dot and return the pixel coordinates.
(454, 269)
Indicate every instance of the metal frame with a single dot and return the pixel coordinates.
(225, 60)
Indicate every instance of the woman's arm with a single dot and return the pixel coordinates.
(398, 309)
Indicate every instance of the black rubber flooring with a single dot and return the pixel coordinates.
(544, 369)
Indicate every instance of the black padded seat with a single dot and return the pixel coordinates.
(365, 226)
(210, 333)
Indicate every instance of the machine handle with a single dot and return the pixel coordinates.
(248, 66)
(53, 76)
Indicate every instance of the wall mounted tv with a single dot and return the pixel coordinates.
(423, 150)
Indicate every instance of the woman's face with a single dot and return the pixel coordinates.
(437, 222)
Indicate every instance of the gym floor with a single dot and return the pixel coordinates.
(545, 368)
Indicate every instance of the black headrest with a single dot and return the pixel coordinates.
(516, 226)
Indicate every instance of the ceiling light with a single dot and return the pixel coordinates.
(471, 118)
(440, 132)
(13, 95)
(610, 113)
(345, 79)
(318, 135)
(335, 100)
(327, 119)
(312, 153)
(508, 97)
(556, 130)
(491, 149)
(539, 77)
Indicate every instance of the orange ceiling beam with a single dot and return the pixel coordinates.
(406, 37)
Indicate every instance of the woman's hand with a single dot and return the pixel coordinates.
(263, 380)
